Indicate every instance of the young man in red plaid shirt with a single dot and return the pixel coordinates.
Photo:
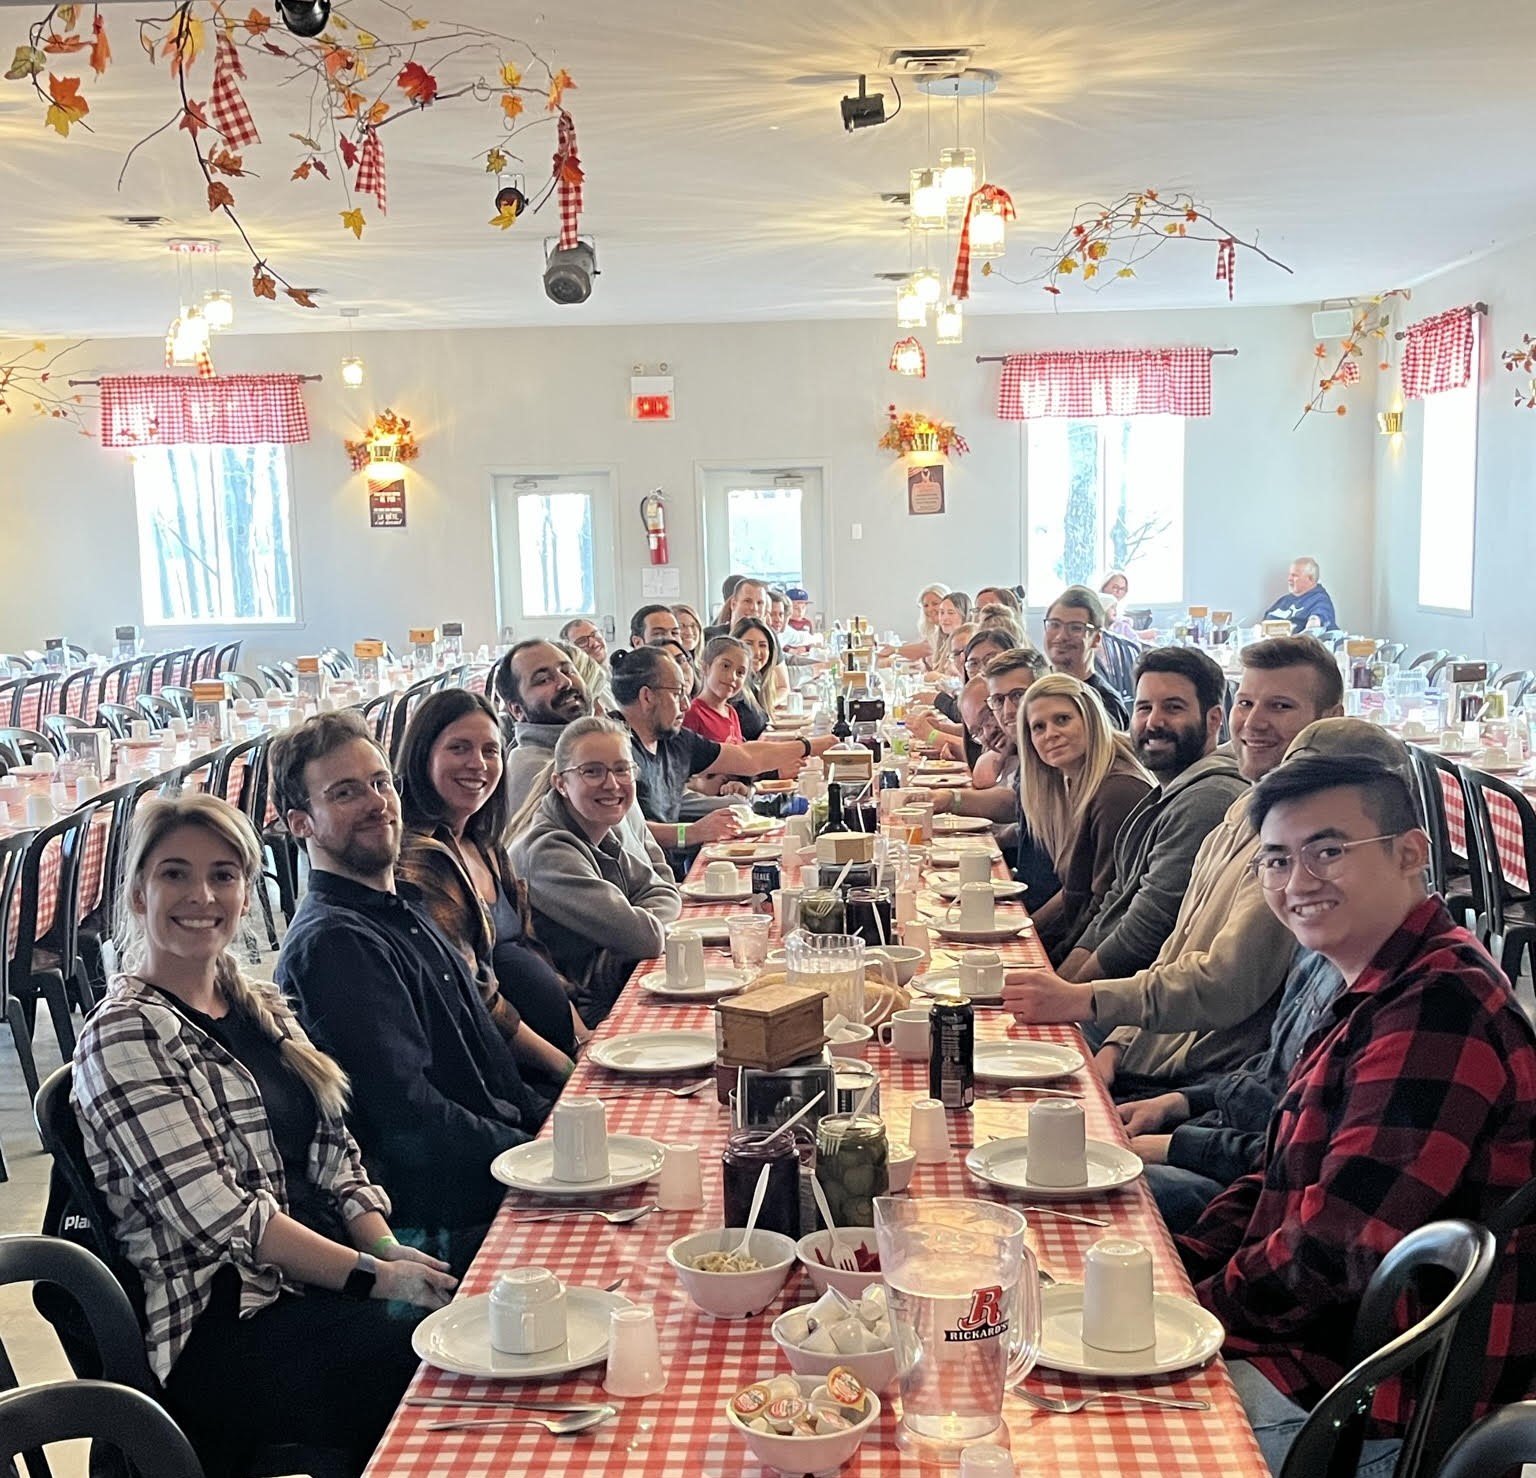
(1415, 1099)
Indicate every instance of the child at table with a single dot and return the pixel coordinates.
(799, 610)
(726, 663)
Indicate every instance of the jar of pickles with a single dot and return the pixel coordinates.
(851, 1166)
(746, 1152)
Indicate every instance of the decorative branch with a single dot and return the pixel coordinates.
(911, 431)
(1373, 321)
(27, 381)
(1524, 360)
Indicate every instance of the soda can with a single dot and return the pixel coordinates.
(765, 879)
(952, 1052)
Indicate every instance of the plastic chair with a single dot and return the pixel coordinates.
(1510, 911)
(375, 713)
(76, 694)
(112, 682)
(31, 699)
(275, 677)
(179, 698)
(58, 725)
(1329, 1442)
(118, 717)
(157, 709)
(405, 705)
(61, 1411)
(1391, 651)
(20, 745)
(1441, 669)
(13, 851)
(227, 658)
(1429, 658)
(1455, 877)
(202, 664)
(241, 685)
(1496, 1446)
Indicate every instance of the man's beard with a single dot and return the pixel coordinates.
(1188, 746)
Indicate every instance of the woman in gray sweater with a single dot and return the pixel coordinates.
(598, 906)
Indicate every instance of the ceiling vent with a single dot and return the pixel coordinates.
(925, 61)
(141, 223)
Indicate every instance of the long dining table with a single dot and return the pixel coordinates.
(682, 1432)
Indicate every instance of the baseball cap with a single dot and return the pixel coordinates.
(796, 592)
(1359, 740)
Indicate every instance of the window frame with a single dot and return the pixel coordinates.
(1472, 393)
(230, 623)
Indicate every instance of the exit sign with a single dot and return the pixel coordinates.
(650, 398)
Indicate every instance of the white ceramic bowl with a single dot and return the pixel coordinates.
(876, 1368)
(904, 960)
(733, 1295)
(813, 1455)
(900, 1162)
(823, 1275)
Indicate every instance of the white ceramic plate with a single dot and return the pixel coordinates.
(943, 767)
(756, 826)
(647, 1053)
(1023, 1061)
(1005, 1164)
(742, 852)
(1186, 1335)
(999, 934)
(701, 893)
(948, 884)
(457, 1338)
(711, 926)
(953, 823)
(947, 982)
(927, 780)
(717, 983)
(632, 1160)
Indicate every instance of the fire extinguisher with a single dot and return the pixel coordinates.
(653, 514)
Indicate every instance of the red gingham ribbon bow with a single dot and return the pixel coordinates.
(230, 115)
(370, 170)
(568, 179)
(1226, 263)
(993, 195)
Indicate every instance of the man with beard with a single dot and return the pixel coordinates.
(1174, 726)
(435, 1092)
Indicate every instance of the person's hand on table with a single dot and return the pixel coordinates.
(736, 787)
(717, 826)
(1106, 1063)
(1152, 1148)
(1042, 997)
(1152, 1115)
(417, 1279)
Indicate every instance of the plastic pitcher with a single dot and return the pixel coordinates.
(833, 963)
(964, 1296)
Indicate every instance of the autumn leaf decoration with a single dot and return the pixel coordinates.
(1523, 361)
(30, 381)
(1370, 325)
(418, 84)
(67, 107)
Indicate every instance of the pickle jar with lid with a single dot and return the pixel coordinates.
(851, 1164)
(746, 1152)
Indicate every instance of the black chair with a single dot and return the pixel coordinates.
(241, 685)
(202, 665)
(112, 682)
(406, 704)
(63, 1411)
(375, 713)
(227, 658)
(1516, 684)
(32, 698)
(1509, 910)
(76, 694)
(58, 725)
(1454, 876)
(1391, 651)
(1329, 1442)
(96, 921)
(13, 852)
(1429, 658)
(1441, 669)
(243, 783)
(118, 717)
(157, 709)
(275, 678)
(1117, 659)
(19, 746)
(1496, 1447)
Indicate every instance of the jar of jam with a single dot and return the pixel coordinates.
(851, 1157)
(871, 915)
(746, 1152)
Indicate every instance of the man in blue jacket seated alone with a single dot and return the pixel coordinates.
(1306, 602)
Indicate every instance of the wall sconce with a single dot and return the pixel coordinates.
(384, 448)
(1389, 423)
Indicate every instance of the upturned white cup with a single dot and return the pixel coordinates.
(722, 877)
(634, 1353)
(180, 727)
(928, 1134)
(1058, 1147)
(907, 1032)
(685, 959)
(975, 867)
(527, 1312)
(580, 1138)
(1118, 1311)
(40, 809)
(981, 972)
(976, 906)
(680, 1186)
(786, 910)
(138, 728)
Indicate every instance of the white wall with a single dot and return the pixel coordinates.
(767, 395)
(1500, 626)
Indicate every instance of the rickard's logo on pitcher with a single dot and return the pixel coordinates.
(984, 1319)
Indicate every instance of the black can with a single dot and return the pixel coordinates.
(765, 879)
(952, 1052)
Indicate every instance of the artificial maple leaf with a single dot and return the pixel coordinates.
(1052, 288)
(262, 284)
(257, 23)
(1090, 269)
(185, 42)
(193, 118)
(1097, 250)
(301, 296)
(511, 74)
(320, 169)
(557, 86)
(348, 151)
(366, 41)
(420, 25)
(495, 161)
(418, 84)
(304, 139)
(353, 221)
(1067, 264)
(506, 216)
(570, 172)
(27, 62)
(219, 195)
(67, 107)
(377, 111)
(62, 45)
(1319, 351)
(101, 50)
(1342, 410)
(1125, 272)
(337, 59)
(511, 105)
(301, 172)
(226, 162)
(273, 49)
(68, 16)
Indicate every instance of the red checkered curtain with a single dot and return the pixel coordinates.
(1105, 382)
(1438, 354)
(229, 410)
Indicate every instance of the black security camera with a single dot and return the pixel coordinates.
(865, 111)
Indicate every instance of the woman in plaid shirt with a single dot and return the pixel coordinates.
(214, 1130)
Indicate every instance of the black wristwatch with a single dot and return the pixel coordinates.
(360, 1280)
(805, 748)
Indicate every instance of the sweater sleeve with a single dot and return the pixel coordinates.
(565, 887)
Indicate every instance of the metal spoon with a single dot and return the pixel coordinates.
(560, 1426)
(614, 1218)
(1087, 1221)
(504, 1405)
(1063, 1408)
(687, 1091)
(1049, 1092)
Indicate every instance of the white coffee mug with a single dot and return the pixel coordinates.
(975, 867)
(1118, 1311)
(976, 906)
(981, 972)
(722, 877)
(527, 1312)
(907, 1032)
(1058, 1148)
(580, 1138)
(685, 959)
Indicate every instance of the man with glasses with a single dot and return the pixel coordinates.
(436, 1094)
(1074, 632)
(1414, 1101)
(584, 634)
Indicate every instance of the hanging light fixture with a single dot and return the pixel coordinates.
(907, 358)
(988, 229)
(957, 175)
(930, 207)
(911, 310)
(949, 322)
(352, 372)
(929, 286)
(218, 309)
(187, 338)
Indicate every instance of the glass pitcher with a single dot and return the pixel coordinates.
(964, 1295)
(833, 963)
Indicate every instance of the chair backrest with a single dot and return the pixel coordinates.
(1462, 838)
(58, 725)
(76, 694)
(179, 698)
(13, 853)
(1117, 659)
(33, 698)
(124, 800)
(375, 713)
(241, 685)
(406, 704)
(19, 745)
(10, 699)
(1440, 671)
(227, 658)
(275, 677)
(1391, 651)
(61, 1411)
(118, 717)
(1429, 658)
(202, 665)
(157, 709)
(68, 833)
(1496, 1447)
(1505, 825)
(112, 682)
(1329, 1442)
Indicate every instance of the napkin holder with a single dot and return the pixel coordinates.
(771, 1027)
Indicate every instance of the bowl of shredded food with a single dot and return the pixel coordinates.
(728, 1284)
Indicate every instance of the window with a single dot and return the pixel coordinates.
(554, 539)
(1448, 494)
(1107, 494)
(215, 534)
(764, 533)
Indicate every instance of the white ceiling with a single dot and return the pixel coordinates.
(1366, 144)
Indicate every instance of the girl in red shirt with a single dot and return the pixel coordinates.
(725, 667)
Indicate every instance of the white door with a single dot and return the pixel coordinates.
(767, 522)
(554, 544)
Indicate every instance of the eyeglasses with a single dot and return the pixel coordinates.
(999, 702)
(596, 774)
(1322, 859)
(1054, 627)
(657, 688)
(350, 792)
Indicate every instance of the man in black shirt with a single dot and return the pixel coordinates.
(1074, 631)
(436, 1094)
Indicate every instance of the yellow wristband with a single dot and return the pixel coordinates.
(386, 1241)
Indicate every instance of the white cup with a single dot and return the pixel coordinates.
(138, 728)
(44, 761)
(87, 786)
(527, 1312)
(634, 1353)
(907, 1032)
(975, 867)
(1117, 1296)
(797, 834)
(981, 972)
(685, 959)
(1058, 1147)
(680, 1187)
(580, 1138)
(976, 905)
(180, 727)
(722, 877)
(786, 910)
(929, 1132)
(40, 810)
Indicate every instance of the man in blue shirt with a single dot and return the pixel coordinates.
(1306, 603)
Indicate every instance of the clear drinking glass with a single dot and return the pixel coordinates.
(749, 943)
(833, 963)
(964, 1295)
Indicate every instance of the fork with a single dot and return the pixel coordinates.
(842, 1255)
(1064, 1408)
(686, 1091)
(613, 1218)
(561, 1426)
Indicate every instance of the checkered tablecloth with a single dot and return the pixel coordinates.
(682, 1432)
